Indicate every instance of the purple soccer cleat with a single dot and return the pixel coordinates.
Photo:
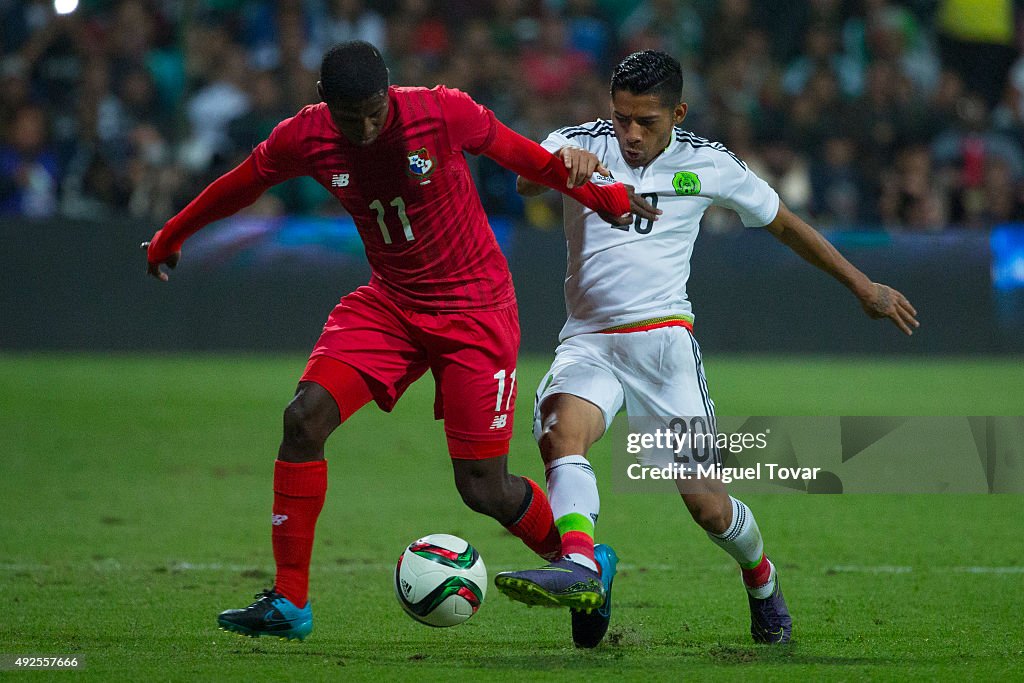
(770, 622)
(563, 583)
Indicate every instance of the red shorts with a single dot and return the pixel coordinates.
(472, 355)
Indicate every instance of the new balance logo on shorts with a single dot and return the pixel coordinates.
(339, 180)
(278, 520)
(499, 422)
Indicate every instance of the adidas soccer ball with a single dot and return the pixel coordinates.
(440, 580)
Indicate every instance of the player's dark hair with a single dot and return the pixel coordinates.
(650, 73)
(353, 71)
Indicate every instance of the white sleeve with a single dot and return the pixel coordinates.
(741, 190)
(555, 142)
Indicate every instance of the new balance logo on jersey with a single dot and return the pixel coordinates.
(278, 520)
(499, 422)
(339, 180)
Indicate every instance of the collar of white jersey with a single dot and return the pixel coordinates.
(671, 139)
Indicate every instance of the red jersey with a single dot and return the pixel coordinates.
(409, 192)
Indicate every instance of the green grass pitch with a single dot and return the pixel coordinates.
(136, 492)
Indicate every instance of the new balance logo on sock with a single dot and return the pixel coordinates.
(278, 520)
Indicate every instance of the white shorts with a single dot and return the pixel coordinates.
(655, 373)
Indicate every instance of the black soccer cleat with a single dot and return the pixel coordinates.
(588, 628)
(271, 615)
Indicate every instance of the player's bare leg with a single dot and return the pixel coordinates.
(517, 503)
(487, 487)
(311, 417)
(582, 579)
(569, 426)
(300, 485)
(731, 525)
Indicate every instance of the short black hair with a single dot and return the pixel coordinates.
(650, 72)
(353, 71)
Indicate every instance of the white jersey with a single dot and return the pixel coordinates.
(617, 276)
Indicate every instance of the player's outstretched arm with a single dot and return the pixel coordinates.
(233, 191)
(615, 203)
(581, 165)
(877, 300)
(528, 188)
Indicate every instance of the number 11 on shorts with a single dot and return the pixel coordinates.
(500, 376)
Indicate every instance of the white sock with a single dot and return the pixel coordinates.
(575, 504)
(580, 558)
(742, 540)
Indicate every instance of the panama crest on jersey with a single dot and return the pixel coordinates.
(420, 163)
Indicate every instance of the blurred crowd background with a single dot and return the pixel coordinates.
(861, 113)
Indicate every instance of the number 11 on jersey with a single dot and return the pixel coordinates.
(399, 204)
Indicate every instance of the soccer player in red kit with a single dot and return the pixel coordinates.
(440, 297)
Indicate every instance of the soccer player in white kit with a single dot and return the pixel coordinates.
(629, 338)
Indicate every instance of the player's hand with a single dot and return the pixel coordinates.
(153, 267)
(638, 206)
(883, 301)
(581, 165)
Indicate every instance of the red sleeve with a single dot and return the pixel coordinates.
(232, 192)
(533, 162)
(470, 125)
(276, 158)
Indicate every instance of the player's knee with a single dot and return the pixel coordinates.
(306, 424)
(558, 439)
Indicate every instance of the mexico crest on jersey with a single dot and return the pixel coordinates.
(420, 163)
(686, 183)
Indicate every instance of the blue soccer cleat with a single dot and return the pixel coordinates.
(271, 615)
(563, 583)
(588, 628)
(770, 622)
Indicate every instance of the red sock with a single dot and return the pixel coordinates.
(580, 543)
(757, 576)
(536, 526)
(299, 490)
